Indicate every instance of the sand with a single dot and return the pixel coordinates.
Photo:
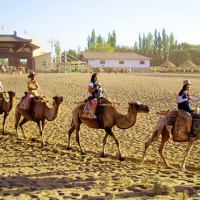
(30, 171)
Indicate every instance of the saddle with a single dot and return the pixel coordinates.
(87, 110)
(27, 102)
(179, 130)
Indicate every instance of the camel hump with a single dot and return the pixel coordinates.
(103, 100)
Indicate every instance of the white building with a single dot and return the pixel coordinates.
(115, 59)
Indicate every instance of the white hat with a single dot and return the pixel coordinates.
(186, 82)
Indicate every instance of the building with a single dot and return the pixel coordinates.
(116, 59)
(17, 50)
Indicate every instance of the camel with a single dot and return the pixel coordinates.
(163, 129)
(108, 117)
(98, 69)
(39, 112)
(123, 71)
(6, 105)
(111, 69)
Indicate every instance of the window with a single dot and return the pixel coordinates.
(102, 62)
(142, 62)
(121, 62)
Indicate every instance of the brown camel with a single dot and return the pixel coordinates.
(97, 69)
(6, 103)
(108, 116)
(111, 70)
(39, 112)
(163, 129)
(123, 71)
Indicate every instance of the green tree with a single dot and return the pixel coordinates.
(98, 47)
(150, 44)
(92, 39)
(165, 44)
(99, 39)
(123, 49)
(57, 51)
(112, 39)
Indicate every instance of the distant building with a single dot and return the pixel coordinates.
(115, 59)
(16, 48)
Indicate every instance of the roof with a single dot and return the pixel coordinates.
(13, 38)
(187, 63)
(167, 64)
(113, 56)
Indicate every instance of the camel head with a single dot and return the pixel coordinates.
(137, 107)
(11, 94)
(58, 100)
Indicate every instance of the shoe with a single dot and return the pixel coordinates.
(191, 134)
(94, 116)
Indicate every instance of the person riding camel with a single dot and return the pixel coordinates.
(95, 92)
(32, 85)
(184, 109)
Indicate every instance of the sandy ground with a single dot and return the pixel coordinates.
(29, 171)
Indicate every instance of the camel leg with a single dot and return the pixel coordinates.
(147, 144)
(109, 131)
(186, 154)
(40, 131)
(103, 154)
(17, 118)
(4, 121)
(20, 125)
(78, 140)
(71, 130)
(165, 138)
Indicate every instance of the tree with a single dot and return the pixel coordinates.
(165, 44)
(99, 39)
(150, 44)
(98, 47)
(57, 51)
(92, 39)
(112, 39)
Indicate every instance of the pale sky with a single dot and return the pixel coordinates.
(72, 21)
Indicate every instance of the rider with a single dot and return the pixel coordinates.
(184, 106)
(32, 85)
(95, 92)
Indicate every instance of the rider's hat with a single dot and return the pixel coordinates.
(186, 82)
(31, 74)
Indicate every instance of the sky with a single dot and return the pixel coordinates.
(72, 21)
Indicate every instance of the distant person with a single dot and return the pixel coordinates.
(3, 69)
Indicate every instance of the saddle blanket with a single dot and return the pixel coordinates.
(179, 130)
(87, 111)
(25, 103)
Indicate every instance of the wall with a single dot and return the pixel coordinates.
(38, 62)
(115, 63)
